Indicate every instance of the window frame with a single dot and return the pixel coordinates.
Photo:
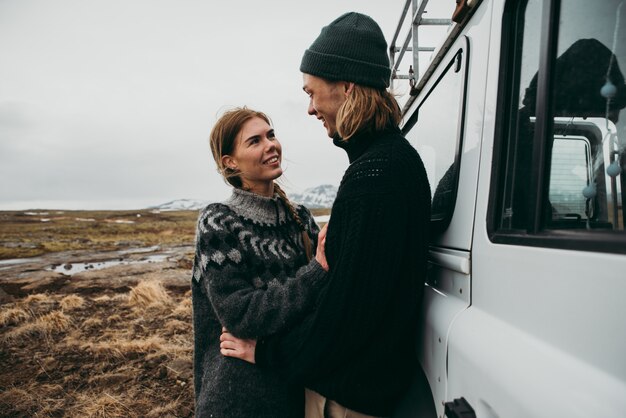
(439, 225)
(537, 233)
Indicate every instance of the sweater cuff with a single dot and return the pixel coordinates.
(313, 273)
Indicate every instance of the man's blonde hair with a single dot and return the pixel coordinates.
(367, 109)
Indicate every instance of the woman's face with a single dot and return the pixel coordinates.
(257, 156)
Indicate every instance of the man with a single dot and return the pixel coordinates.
(356, 352)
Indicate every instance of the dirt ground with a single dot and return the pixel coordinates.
(101, 342)
(95, 313)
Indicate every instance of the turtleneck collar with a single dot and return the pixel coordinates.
(359, 143)
(261, 209)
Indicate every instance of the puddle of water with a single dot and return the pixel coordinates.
(69, 269)
(140, 250)
(12, 261)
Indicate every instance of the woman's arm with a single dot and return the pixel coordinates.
(245, 310)
(244, 349)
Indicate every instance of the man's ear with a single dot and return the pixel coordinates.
(348, 87)
(229, 162)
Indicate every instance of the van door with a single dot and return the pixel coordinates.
(444, 124)
(544, 336)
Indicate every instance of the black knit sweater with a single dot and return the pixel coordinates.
(358, 347)
(248, 253)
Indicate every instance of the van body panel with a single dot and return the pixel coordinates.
(440, 310)
(569, 299)
(544, 335)
(572, 300)
(503, 371)
(454, 260)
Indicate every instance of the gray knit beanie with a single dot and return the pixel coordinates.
(352, 48)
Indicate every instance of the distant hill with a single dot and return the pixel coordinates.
(181, 204)
(316, 197)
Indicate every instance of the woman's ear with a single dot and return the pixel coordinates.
(229, 162)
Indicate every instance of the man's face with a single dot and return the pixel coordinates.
(326, 97)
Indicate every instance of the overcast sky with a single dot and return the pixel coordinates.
(109, 103)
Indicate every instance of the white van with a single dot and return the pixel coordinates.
(518, 118)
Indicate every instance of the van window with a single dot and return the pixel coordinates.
(439, 143)
(562, 159)
(570, 173)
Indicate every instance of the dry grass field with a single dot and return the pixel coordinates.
(32, 233)
(95, 341)
(121, 355)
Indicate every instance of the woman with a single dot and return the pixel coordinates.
(248, 251)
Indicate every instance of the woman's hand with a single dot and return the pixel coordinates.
(320, 253)
(231, 346)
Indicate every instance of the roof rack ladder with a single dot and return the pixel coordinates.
(418, 20)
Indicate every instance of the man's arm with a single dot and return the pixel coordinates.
(363, 237)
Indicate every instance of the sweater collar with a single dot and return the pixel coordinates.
(359, 143)
(261, 209)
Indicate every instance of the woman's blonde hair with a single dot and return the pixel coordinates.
(367, 109)
(223, 140)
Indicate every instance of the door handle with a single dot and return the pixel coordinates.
(459, 408)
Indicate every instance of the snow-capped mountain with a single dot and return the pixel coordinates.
(181, 204)
(316, 197)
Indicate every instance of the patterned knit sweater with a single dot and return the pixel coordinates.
(248, 253)
(358, 347)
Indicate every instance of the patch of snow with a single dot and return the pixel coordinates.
(181, 204)
(316, 197)
(322, 218)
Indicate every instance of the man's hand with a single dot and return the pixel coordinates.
(320, 253)
(231, 346)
